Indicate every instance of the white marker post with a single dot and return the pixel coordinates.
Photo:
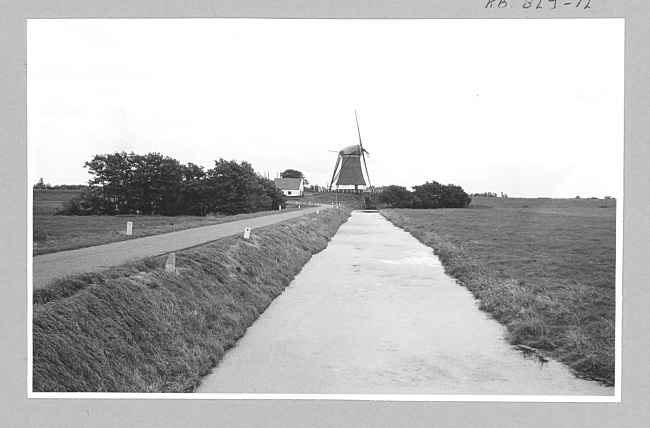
(170, 265)
(129, 228)
(317, 211)
(298, 206)
(279, 207)
(247, 233)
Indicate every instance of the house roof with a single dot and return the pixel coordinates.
(288, 183)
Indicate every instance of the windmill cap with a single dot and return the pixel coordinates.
(351, 151)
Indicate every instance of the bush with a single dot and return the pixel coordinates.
(427, 195)
(397, 197)
(88, 202)
(436, 195)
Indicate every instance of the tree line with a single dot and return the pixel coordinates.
(488, 195)
(42, 185)
(427, 195)
(153, 184)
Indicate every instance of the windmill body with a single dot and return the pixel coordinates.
(348, 171)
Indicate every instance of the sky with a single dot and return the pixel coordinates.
(531, 108)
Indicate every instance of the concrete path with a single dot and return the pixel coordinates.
(47, 267)
(374, 313)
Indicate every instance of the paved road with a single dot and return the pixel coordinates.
(374, 313)
(47, 267)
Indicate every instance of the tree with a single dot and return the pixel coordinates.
(436, 195)
(486, 194)
(277, 197)
(111, 173)
(193, 190)
(155, 185)
(430, 194)
(397, 197)
(292, 173)
(42, 185)
(128, 183)
(236, 188)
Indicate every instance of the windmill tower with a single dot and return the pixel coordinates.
(348, 172)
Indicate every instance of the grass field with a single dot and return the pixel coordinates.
(547, 272)
(54, 233)
(139, 328)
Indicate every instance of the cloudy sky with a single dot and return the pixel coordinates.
(526, 107)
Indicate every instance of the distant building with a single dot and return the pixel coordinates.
(290, 186)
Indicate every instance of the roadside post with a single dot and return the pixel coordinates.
(170, 264)
(247, 233)
(129, 228)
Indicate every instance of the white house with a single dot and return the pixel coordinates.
(290, 186)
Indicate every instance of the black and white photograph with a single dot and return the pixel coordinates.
(350, 209)
(324, 214)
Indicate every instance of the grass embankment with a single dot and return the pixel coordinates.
(139, 328)
(546, 272)
(53, 233)
(347, 200)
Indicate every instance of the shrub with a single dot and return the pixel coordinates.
(397, 197)
(436, 195)
(427, 195)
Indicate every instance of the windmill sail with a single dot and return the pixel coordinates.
(363, 151)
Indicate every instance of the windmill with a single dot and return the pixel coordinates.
(348, 173)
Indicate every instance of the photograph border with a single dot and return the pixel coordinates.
(146, 412)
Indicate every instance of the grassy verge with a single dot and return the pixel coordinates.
(62, 233)
(548, 274)
(139, 328)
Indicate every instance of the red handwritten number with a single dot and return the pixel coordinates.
(539, 5)
(579, 1)
(527, 3)
(587, 6)
(554, 3)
